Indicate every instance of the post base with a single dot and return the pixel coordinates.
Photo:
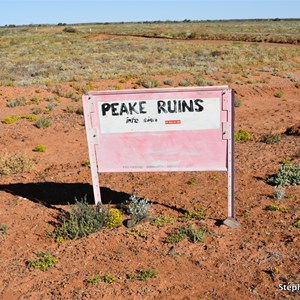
(232, 223)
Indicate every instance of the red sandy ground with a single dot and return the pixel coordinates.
(229, 264)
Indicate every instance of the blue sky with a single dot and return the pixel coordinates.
(78, 11)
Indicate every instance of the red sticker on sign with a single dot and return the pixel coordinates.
(173, 122)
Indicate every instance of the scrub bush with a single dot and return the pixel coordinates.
(44, 262)
(42, 123)
(14, 163)
(138, 208)
(39, 148)
(288, 174)
(271, 138)
(242, 135)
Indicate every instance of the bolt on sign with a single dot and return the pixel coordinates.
(159, 130)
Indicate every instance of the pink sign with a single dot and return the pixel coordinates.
(153, 130)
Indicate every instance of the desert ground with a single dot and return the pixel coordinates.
(249, 262)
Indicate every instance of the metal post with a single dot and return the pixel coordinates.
(230, 221)
(91, 134)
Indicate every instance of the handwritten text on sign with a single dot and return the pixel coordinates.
(159, 115)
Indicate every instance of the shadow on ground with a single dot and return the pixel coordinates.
(52, 193)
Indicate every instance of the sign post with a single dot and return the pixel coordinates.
(159, 130)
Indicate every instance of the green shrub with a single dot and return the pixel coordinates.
(29, 118)
(175, 237)
(69, 29)
(198, 214)
(36, 110)
(195, 235)
(149, 84)
(39, 148)
(278, 94)
(16, 102)
(138, 208)
(3, 229)
(237, 102)
(276, 207)
(69, 109)
(94, 279)
(43, 262)
(271, 138)
(79, 110)
(193, 181)
(143, 274)
(114, 219)
(242, 135)
(288, 174)
(84, 220)
(106, 279)
(168, 81)
(14, 163)
(200, 81)
(297, 224)
(10, 119)
(184, 83)
(42, 123)
(162, 220)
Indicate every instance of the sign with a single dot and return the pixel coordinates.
(154, 130)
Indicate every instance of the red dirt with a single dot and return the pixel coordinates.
(229, 264)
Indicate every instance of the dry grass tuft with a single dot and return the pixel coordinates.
(14, 163)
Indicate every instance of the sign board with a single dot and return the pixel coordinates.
(154, 130)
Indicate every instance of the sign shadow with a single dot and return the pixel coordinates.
(53, 193)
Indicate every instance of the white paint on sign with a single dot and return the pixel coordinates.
(159, 115)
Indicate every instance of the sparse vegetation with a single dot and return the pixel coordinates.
(107, 278)
(288, 174)
(193, 181)
(175, 237)
(198, 213)
(138, 232)
(42, 123)
(276, 207)
(168, 81)
(69, 29)
(297, 224)
(237, 102)
(138, 208)
(3, 229)
(162, 220)
(278, 193)
(16, 102)
(14, 163)
(242, 135)
(39, 148)
(143, 274)
(195, 235)
(10, 119)
(271, 138)
(43, 262)
(81, 221)
(278, 94)
(114, 218)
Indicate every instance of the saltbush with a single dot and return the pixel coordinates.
(138, 208)
(288, 174)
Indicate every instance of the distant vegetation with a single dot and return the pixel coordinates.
(92, 52)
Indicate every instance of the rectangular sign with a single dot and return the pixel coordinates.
(153, 130)
(159, 130)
